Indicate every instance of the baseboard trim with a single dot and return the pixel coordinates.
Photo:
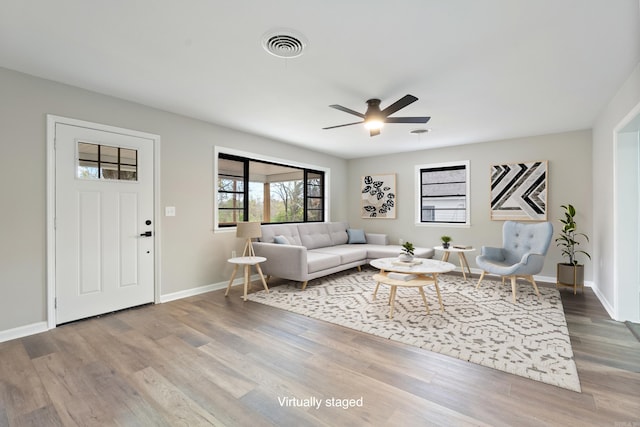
(203, 289)
(604, 302)
(23, 331)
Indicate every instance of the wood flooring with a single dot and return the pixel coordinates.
(211, 360)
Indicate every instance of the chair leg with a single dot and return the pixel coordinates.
(535, 286)
(514, 288)
(304, 284)
(480, 280)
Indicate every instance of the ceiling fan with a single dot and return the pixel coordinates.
(374, 118)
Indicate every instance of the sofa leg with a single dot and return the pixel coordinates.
(359, 268)
(480, 280)
(304, 284)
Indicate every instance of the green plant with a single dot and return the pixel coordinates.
(568, 235)
(408, 248)
(445, 239)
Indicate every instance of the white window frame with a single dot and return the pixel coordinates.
(286, 162)
(418, 195)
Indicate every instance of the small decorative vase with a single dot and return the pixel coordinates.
(405, 257)
(445, 245)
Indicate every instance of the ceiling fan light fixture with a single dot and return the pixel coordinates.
(374, 124)
(373, 118)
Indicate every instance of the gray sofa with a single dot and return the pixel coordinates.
(311, 250)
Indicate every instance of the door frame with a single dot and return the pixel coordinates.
(623, 310)
(52, 121)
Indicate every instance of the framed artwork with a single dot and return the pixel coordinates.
(519, 191)
(378, 196)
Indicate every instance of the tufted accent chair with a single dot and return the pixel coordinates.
(524, 247)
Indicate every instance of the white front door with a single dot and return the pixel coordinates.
(104, 221)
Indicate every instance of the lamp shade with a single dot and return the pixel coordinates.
(248, 230)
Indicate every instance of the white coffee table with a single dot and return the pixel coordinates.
(247, 261)
(460, 251)
(426, 273)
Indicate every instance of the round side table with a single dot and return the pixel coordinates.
(461, 257)
(247, 261)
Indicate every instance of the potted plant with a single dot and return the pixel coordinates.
(570, 273)
(407, 252)
(445, 241)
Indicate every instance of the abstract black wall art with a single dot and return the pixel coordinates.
(519, 191)
(378, 196)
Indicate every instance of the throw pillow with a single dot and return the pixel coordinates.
(281, 240)
(356, 236)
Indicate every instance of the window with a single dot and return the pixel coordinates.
(267, 192)
(443, 192)
(97, 161)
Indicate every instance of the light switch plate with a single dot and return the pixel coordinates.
(170, 211)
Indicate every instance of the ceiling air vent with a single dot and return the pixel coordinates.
(284, 43)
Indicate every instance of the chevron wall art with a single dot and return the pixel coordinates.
(519, 191)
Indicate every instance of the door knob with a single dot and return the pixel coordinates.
(146, 234)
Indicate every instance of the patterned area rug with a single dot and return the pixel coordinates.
(481, 326)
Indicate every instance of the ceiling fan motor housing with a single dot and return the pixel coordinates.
(373, 111)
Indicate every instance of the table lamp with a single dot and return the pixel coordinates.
(248, 230)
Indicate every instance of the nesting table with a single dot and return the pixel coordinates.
(425, 271)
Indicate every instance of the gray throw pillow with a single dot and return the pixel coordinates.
(356, 236)
(281, 240)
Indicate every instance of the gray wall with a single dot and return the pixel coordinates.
(627, 98)
(192, 254)
(569, 181)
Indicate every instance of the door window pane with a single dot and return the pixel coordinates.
(97, 161)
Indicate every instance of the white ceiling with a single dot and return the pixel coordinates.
(482, 69)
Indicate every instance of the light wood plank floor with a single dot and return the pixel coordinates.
(211, 360)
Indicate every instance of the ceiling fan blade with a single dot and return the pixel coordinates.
(339, 126)
(401, 103)
(407, 119)
(347, 110)
(374, 132)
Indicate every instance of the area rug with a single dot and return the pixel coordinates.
(483, 326)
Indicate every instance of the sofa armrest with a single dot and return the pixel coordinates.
(284, 261)
(377, 239)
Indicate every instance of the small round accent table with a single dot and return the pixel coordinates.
(461, 257)
(247, 261)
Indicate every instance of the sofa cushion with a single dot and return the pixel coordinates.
(318, 261)
(314, 235)
(347, 253)
(289, 231)
(382, 251)
(356, 236)
(338, 232)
